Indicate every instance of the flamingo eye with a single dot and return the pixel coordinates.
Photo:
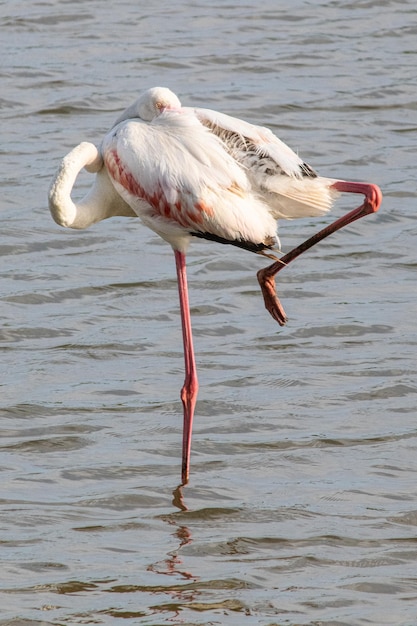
(160, 105)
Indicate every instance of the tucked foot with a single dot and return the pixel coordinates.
(272, 303)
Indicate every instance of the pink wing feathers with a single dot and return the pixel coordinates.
(178, 177)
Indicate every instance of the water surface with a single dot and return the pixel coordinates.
(301, 508)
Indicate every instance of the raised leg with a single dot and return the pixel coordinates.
(266, 276)
(189, 390)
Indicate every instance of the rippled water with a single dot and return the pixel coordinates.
(301, 508)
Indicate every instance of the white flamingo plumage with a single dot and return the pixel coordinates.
(191, 172)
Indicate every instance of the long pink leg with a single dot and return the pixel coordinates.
(266, 276)
(190, 388)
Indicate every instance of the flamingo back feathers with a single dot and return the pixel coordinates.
(290, 186)
(175, 173)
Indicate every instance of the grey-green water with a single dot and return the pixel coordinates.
(302, 503)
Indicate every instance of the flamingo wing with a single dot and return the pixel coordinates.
(178, 177)
(288, 184)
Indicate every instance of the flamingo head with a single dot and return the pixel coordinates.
(150, 104)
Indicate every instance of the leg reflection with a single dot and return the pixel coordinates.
(171, 566)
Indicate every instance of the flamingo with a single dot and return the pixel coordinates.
(196, 173)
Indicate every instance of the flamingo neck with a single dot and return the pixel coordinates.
(64, 211)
